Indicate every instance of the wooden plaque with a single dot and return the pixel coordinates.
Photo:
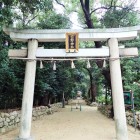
(72, 42)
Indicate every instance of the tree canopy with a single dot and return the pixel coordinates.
(50, 85)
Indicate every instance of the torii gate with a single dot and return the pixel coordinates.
(112, 36)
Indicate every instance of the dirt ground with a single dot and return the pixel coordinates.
(88, 124)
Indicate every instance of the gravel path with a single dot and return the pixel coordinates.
(88, 124)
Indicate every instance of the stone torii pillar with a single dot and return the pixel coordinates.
(28, 92)
(117, 91)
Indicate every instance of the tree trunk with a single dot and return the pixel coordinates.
(92, 87)
(93, 92)
(85, 4)
(89, 95)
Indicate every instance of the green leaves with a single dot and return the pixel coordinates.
(52, 20)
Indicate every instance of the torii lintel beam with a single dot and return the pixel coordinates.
(55, 53)
(58, 35)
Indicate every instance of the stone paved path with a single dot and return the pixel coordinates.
(88, 124)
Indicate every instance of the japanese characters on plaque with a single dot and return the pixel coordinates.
(72, 42)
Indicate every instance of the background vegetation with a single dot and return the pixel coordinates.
(50, 85)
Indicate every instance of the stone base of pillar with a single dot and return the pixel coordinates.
(30, 138)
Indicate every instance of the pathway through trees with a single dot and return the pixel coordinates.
(88, 124)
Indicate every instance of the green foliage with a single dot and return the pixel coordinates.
(5, 14)
(11, 80)
(52, 20)
(119, 18)
(102, 99)
(39, 14)
(29, 11)
(12, 72)
(131, 72)
(123, 17)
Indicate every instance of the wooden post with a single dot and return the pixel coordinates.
(28, 92)
(117, 91)
(63, 101)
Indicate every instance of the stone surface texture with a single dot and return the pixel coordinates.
(106, 110)
(11, 120)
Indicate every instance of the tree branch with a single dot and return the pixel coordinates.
(102, 7)
(124, 13)
(31, 19)
(111, 6)
(87, 15)
(60, 4)
(106, 8)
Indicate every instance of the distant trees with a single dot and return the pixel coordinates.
(105, 14)
(25, 14)
(50, 85)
